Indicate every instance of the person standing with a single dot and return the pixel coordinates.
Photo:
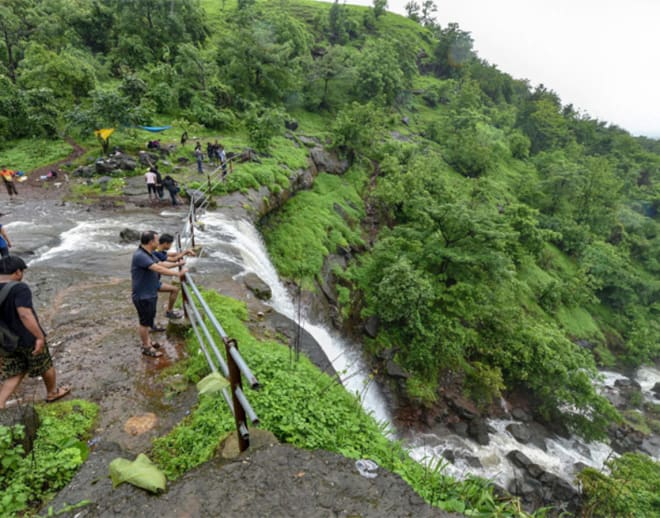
(199, 156)
(159, 182)
(150, 178)
(31, 356)
(145, 272)
(5, 243)
(8, 178)
(223, 159)
(165, 255)
(172, 187)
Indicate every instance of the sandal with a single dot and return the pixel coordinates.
(61, 392)
(155, 345)
(157, 329)
(151, 352)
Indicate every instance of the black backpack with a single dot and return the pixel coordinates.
(8, 339)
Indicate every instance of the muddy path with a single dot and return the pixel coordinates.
(92, 333)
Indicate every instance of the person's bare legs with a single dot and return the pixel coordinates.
(143, 331)
(173, 293)
(50, 379)
(8, 387)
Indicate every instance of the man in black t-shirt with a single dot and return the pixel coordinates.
(32, 357)
(145, 270)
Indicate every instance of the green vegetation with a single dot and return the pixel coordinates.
(27, 482)
(632, 488)
(494, 232)
(32, 153)
(332, 420)
(315, 223)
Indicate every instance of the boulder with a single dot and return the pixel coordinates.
(520, 415)
(371, 325)
(656, 389)
(395, 371)
(478, 431)
(520, 432)
(328, 162)
(197, 196)
(84, 171)
(257, 286)
(103, 182)
(129, 235)
(25, 416)
(146, 158)
(291, 125)
(308, 141)
(106, 166)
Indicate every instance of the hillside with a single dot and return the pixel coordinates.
(485, 232)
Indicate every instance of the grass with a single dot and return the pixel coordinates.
(314, 223)
(29, 154)
(304, 407)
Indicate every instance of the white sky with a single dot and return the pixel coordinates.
(603, 56)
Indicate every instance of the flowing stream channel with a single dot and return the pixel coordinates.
(88, 241)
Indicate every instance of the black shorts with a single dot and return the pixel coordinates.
(146, 309)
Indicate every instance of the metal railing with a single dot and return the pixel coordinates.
(202, 320)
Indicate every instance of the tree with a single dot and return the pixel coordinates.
(452, 52)
(18, 21)
(378, 73)
(333, 64)
(338, 26)
(413, 10)
(356, 129)
(380, 7)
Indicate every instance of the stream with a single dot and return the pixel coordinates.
(86, 242)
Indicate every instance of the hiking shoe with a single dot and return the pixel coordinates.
(175, 313)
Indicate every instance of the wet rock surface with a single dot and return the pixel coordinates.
(271, 480)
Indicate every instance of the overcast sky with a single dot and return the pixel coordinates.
(603, 56)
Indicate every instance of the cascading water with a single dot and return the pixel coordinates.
(239, 242)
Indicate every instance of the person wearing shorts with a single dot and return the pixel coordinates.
(145, 281)
(31, 357)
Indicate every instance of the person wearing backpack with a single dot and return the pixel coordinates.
(23, 349)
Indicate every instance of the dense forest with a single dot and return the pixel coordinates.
(494, 231)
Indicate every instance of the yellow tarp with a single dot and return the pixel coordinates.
(104, 133)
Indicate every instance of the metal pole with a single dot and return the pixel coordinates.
(239, 411)
(182, 281)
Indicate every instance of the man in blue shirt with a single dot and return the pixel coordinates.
(5, 243)
(145, 273)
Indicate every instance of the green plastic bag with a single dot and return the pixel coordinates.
(141, 473)
(212, 384)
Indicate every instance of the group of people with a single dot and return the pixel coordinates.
(216, 155)
(28, 354)
(152, 259)
(156, 185)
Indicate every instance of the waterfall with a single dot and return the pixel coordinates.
(239, 242)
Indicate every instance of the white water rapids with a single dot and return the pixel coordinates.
(75, 238)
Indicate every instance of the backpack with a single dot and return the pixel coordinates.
(8, 339)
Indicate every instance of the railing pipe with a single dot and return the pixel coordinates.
(206, 308)
(221, 360)
(240, 395)
(245, 370)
